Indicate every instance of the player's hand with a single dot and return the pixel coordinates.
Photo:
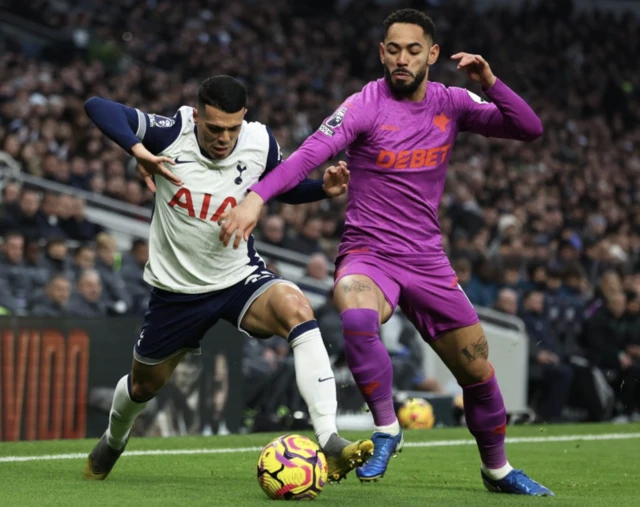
(477, 69)
(336, 179)
(150, 165)
(240, 220)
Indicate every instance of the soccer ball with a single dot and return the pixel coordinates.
(292, 467)
(416, 414)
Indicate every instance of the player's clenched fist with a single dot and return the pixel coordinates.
(150, 164)
(240, 220)
(477, 69)
(336, 179)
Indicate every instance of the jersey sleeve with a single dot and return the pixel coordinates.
(157, 132)
(307, 190)
(344, 126)
(507, 117)
(127, 126)
(339, 130)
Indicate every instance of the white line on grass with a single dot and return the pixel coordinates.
(231, 450)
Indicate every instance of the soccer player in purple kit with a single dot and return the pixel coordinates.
(399, 131)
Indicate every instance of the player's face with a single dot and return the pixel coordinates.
(218, 131)
(406, 54)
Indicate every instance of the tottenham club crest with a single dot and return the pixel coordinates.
(161, 121)
(240, 170)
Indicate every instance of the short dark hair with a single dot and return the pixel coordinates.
(222, 92)
(413, 17)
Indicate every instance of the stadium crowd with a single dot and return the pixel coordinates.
(548, 231)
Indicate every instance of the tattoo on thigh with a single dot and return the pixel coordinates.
(477, 349)
(357, 286)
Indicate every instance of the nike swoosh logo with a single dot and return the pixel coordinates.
(323, 379)
(183, 161)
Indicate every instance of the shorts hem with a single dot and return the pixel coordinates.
(150, 361)
(259, 292)
(457, 325)
(391, 304)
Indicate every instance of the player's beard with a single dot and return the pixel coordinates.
(404, 88)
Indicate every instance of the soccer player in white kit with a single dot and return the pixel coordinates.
(207, 158)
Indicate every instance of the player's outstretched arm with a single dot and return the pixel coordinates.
(131, 130)
(336, 133)
(242, 219)
(509, 117)
(333, 184)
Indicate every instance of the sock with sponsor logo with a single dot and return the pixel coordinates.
(315, 378)
(370, 365)
(123, 414)
(486, 418)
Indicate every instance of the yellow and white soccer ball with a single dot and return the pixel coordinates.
(292, 467)
(416, 414)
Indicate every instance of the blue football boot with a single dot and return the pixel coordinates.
(515, 482)
(385, 446)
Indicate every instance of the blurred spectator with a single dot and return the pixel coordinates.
(274, 232)
(330, 325)
(307, 242)
(407, 357)
(7, 301)
(10, 199)
(548, 370)
(75, 223)
(115, 294)
(478, 292)
(55, 258)
(48, 222)
(26, 218)
(57, 297)
(38, 272)
(606, 340)
(84, 257)
(86, 301)
(317, 274)
(14, 272)
(507, 302)
(132, 272)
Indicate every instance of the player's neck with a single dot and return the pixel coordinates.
(420, 93)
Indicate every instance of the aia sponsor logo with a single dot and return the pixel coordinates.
(183, 199)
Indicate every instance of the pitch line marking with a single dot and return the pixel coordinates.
(232, 450)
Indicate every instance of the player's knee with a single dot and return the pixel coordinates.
(144, 390)
(294, 309)
(475, 372)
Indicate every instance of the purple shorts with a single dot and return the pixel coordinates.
(429, 296)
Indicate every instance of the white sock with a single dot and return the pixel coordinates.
(392, 429)
(497, 473)
(122, 415)
(315, 379)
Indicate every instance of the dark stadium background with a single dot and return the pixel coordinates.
(547, 232)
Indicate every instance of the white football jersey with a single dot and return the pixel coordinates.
(185, 253)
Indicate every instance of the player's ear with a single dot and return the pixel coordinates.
(434, 53)
(244, 112)
(382, 53)
(195, 114)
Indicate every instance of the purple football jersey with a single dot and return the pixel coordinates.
(398, 152)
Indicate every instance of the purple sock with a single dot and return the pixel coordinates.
(487, 420)
(369, 362)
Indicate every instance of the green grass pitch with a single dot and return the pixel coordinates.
(434, 469)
